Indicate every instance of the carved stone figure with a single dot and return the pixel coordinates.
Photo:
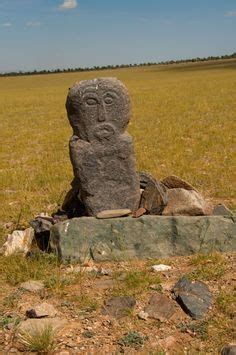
(101, 151)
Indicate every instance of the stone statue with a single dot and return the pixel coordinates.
(101, 151)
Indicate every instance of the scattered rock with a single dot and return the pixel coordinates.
(221, 210)
(173, 182)
(194, 297)
(19, 242)
(113, 213)
(81, 269)
(184, 202)
(88, 334)
(104, 284)
(160, 267)
(41, 310)
(32, 286)
(104, 272)
(143, 315)
(119, 306)
(229, 349)
(140, 212)
(160, 307)
(154, 197)
(168, 342)
(36, 325)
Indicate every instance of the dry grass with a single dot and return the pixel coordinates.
(182, 123)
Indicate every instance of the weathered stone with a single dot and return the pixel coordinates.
(221, 210)
(41, 224)
(32, 286)
(173, 182)
(101, 152)
(32, 326)
(160, 267)
(41, 310)
(140, 212)
(104, 284)
(119, 306)
(184, 202)
(80, 239)
(113, 213)
(154, 197)
(19, 242)
(229, 349)
(160, 307)
(193, 296)
(143, 315)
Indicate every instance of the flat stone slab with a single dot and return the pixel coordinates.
(145, 237)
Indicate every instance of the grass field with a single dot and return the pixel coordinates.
(183, 123)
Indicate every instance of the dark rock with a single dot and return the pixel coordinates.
(72, 204)
(160, 307)
(89, 334)
(119, 306)
(79, 239)
(101, 151)
(221, 210)
(229, 349)
(193, 296)
(184, 202)
(41, 224)
(173, 182)
(154, 197)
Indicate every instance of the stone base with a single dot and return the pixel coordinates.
(80, 239)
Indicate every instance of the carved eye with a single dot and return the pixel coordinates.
(91, 101)
(108, 100)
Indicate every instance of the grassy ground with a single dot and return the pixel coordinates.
(182, 123)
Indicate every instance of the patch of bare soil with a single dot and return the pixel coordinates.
(81, 295)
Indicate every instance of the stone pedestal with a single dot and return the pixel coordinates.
(146, 237)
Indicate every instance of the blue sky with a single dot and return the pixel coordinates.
(47, 34)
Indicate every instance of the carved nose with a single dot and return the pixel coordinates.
(101, 112)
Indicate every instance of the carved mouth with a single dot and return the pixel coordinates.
(104, 132)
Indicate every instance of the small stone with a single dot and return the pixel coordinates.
(143, 315)
(41, 310)
(119, 306)
(160, 307)
(229, 349)
(221, 210)
(19, 242)
(184, 202)
(194, 297)
(35, 325)
(41, 224)
(104, 272)
(32, 286)
(173, 182)
(81, 269)
(113, 213)
(140, 212)
(104, 284)
(88, 334)
(168, 342)
(160, 267)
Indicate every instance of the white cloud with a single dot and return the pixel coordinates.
(7, 24)
(68, 5)
(33, 24)
(230, 14)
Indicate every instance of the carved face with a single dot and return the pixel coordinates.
(98, 109)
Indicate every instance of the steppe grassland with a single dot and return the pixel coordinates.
(183, 123)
